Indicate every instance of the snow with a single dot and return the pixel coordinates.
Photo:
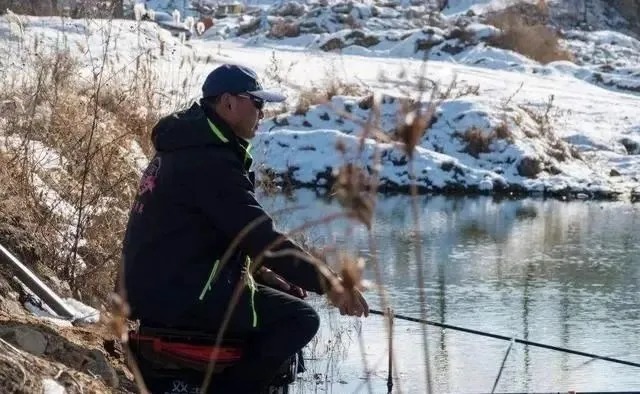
(168, 6)
(46, 314)
(587, 141)
(293, 146)
(50, 386)
(45, 161)
(606, 58)
(81, 313)
(458, 7)
(138, 159)
(462, 6)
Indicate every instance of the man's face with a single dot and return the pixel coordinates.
(247, 113)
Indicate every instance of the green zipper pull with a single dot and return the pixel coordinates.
(207, 285)
(251, 283)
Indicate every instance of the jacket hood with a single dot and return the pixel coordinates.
(188, 128)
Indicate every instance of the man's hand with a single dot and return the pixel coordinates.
(271, 279)
(350, 302)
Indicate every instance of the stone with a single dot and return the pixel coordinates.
(25, 338)
(98, 365)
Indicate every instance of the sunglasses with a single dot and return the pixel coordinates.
(257, 102)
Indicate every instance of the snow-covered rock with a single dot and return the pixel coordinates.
(468, 146)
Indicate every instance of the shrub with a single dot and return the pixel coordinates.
(315, 96)
(307, 98)
(283, 28)
(527, 34)
(477, 141)
(65, 154)
(529, 167)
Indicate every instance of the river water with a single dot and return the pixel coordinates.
(561, 273)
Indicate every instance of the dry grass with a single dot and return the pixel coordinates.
(337, 87)
(543, 116)
(458, 90)
(321, 95)
(277, 72)
(74, 208)
(284, 28)
(479, 141)
(18, 224)
(524, 30)
(529, 167)
(502, 132)
(307, 98)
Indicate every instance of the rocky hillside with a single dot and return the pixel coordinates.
(536, 37)
(41, 354)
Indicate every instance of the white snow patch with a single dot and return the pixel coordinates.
(50, 386)
(81, 313)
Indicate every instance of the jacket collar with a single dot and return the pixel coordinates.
(223, 132)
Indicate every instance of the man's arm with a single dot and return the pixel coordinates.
(226, 199)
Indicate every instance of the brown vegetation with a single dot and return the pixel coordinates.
(284, 28)
(68, 169)
(525, 30)
(529, 167)
(479, 141)
(315, 96)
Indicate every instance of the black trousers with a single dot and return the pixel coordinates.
(285, 324)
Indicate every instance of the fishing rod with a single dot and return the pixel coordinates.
(33, 283)
(504, 338)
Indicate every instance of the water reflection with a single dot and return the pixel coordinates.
(561, 273)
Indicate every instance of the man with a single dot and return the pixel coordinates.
(194, 200)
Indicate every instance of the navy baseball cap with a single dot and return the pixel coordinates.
(233, 79)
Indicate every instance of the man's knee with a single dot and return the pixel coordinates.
(308, 322)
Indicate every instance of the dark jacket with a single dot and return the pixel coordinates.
(194, 198)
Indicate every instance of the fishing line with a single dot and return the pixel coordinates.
(505, 338)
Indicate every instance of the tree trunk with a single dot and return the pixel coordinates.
(28, 7)
(118, 8)
(41, 8)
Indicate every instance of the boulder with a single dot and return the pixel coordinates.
(25, 338)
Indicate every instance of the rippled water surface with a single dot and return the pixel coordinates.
(561, 273)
